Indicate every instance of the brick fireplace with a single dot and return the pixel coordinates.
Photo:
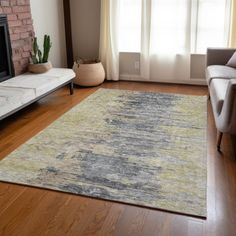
(21, 31)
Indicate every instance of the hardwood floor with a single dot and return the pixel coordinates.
(26, 211)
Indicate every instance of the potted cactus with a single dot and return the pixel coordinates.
(39, 61)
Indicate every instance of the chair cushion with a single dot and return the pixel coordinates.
(218, 88)
(219, 71)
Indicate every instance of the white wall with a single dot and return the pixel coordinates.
(48, 18)
(85, 24)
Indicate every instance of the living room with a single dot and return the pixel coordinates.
(117, 117)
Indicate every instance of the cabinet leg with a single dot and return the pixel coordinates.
(71, 88)
(208, 96)
(219, 139)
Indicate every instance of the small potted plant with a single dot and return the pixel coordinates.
(39, 62)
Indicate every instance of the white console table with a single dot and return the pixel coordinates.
(20, 91)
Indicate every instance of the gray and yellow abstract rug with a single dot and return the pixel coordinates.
(141, 148)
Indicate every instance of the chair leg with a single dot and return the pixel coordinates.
(219, 139)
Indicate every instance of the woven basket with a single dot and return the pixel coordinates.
(89, 74)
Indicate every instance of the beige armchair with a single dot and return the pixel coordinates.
(221, 80)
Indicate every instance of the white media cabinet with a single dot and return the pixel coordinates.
(20, 91)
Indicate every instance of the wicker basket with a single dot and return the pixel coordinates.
(89, 74)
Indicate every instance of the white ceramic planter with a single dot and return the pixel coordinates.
(89, 74)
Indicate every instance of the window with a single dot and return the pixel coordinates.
(212, 24)
(130, 25)
(169, 25)
(198, 24)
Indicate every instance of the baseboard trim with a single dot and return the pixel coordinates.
(137, 78)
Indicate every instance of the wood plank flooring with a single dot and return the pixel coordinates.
(26, 211)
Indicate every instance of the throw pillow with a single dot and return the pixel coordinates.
(232, 61)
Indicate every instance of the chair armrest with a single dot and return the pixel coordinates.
(219, 56)
(227, 119)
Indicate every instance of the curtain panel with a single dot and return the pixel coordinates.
(169, 44)
(232, 40)
(109, 37)
(171, 30)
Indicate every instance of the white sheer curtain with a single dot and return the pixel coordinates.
(109, 38)
(169, 49)
(146, 9)
(165, 32)
(210, 24)
(164, 38)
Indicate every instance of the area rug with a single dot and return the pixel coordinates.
(147, 149)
